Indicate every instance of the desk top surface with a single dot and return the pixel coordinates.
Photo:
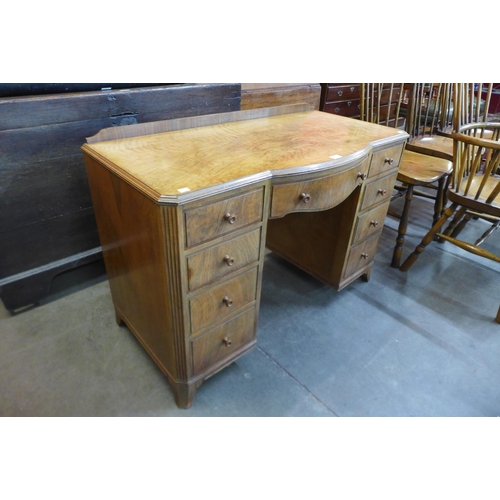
(174, 163)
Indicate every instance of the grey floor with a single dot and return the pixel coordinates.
(422, 343)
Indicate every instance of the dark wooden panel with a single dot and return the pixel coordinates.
(35, 192)
(38, 244)
(29, 89)
(159, 103)
(46, 214)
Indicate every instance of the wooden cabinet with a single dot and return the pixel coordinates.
(186, 207)
(342, 99)
(345, 99)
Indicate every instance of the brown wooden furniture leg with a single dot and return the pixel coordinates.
(402, 228)
(118, 318)
(184, 394)
(366, 276)
(412, 258)
(439, 201)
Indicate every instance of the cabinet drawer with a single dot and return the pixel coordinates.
(223, 259)
(223, 341)
(343, 92)
(378, 191)
(386, 160)
(208, 222)
(215, 306)
(318, 194)
(370, 222)
(362, 254)
(349, 108)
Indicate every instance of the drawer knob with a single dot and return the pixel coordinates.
(228, 260)
(383, 192)
(374, 223)
(226, 342)
(361, 176)
(227, 301)
(390, 161)
(230, 218)
(349, 103)
(337, 110)
(340, 93)
(306, 198)
(352, 89)
(364, 255)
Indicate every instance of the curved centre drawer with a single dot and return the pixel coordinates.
(317, 194)
(221, 260)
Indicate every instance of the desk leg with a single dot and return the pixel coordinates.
(118, 317)
(366, 276)
(184, 394)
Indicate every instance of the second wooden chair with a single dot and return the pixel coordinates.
(382, 104)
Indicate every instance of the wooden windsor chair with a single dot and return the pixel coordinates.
(473, 102)
(381, 103)
(475, 189)
(430, 118)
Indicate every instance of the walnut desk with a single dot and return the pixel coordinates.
(185, 209)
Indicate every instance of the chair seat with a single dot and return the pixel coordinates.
(421, 169)
(435, 145)
(491, 183)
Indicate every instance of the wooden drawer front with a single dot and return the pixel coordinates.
(215, 306)
(318, 194)
(221, 260)
(349, 108)
(386, 93)
(378, 191)
(343, 92)
(386, 160)
(361, 255)
(214, 220)
(223, 342)
(370, 222)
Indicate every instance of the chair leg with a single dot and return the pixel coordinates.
(439, 201)
(402, 228)
(487, 233)
(457, 223)
(412, 258)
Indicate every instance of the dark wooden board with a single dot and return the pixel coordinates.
(46, 213)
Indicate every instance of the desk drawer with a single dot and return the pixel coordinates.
(318, 194)
(370, 222)
(223, 341)
(378, 191)
(386, 160)
(216, 305)
(362, 255)
(223, 259)
(208, 222)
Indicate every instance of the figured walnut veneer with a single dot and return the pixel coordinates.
(186, 207)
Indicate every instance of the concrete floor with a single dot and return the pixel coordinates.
(422, 343)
